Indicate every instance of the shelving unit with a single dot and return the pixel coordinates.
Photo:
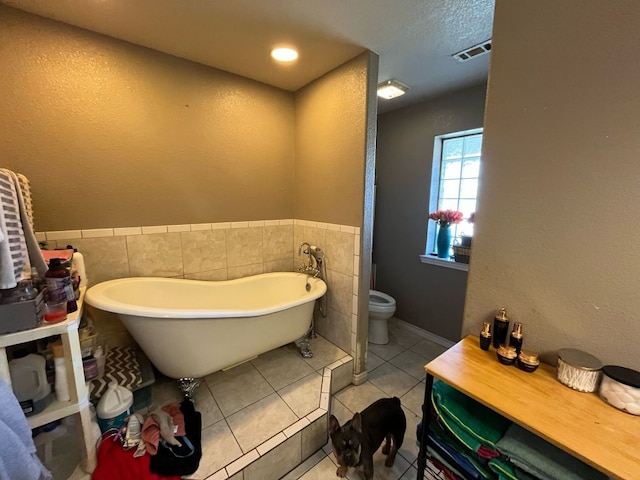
(581, 424)
(79, 403)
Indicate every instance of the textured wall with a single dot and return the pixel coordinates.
(168, 168)
(556, 227)
(428, 296)
(331, 122)
(112, 134)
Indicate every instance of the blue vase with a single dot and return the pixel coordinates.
(444, 241)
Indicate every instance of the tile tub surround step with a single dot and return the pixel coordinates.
(250, 456)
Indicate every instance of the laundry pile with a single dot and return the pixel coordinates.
(164, 445)
(467, 440)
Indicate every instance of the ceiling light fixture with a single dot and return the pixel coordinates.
(284, 54)
(391, 89)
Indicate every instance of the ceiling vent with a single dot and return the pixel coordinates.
(472, 52)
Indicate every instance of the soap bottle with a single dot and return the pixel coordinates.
(59, 285)
(516, 337)
(500, 328)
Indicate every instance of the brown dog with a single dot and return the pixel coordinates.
(357, 440)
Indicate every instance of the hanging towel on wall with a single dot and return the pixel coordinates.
(18, 245)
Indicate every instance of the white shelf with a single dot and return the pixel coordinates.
(79, 403)
(46, 330)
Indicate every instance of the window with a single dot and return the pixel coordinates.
(454, 180)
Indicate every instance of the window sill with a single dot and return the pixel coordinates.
(441, 262)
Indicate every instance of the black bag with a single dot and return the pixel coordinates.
(183, 459)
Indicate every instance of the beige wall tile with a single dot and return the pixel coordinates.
(211, 275)
(314, 436)
(277, 242)
(285, 265)
(341, 376)
(244, 271)
(244, 246)
(157, 255)
(315, 236)
(204, 250)
(336, 328)
(105, 258)
(340, 293)
(339, 251)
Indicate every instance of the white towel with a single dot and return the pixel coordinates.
(13, 249)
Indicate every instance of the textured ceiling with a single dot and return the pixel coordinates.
(414, 38)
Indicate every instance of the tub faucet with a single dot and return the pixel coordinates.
(309, 268)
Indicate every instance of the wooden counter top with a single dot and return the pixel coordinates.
(580, 423)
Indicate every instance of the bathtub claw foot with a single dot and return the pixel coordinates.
(305, 351)
(188, 387)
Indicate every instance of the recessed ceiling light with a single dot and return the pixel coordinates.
(391, 89)
(284, 54)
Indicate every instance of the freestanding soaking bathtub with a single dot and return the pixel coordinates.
(191, 328)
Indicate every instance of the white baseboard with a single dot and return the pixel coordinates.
(425, 334)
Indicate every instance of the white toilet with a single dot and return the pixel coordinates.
(381, 309)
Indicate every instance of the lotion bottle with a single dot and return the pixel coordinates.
(500, 328)
(485, 336)
(516, 337)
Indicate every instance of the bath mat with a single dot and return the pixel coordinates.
(121, 366)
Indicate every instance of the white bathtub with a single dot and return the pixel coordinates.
(191, 328)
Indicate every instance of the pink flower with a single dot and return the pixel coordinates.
(446, 217)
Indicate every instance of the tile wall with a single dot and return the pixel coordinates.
(223, 251)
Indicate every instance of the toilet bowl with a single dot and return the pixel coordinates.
(381, 309)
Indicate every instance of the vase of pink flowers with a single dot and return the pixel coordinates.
(444, 219)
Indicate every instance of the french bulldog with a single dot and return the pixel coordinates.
(356, 441)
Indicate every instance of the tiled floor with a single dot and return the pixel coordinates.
(395, 369)
(248, 410)
(246, 406)
(258, 407)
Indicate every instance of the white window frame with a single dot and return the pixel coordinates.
(428, 256)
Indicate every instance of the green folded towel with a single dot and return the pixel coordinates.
(471, 422)
(542, 459)
(504, 469)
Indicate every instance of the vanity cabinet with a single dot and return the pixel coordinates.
(579, 423)
(79, 403)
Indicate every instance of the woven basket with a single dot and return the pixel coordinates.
(461, 254)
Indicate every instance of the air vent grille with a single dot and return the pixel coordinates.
(474, 51)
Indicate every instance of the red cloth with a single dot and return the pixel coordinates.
(114, 463)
